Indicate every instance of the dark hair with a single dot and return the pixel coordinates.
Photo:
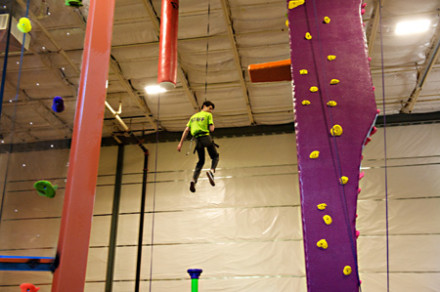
(207, 103)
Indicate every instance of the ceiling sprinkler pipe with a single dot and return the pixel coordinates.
(167, 67)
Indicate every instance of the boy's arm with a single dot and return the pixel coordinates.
(184, 134)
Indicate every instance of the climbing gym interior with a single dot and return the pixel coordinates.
(326, 116)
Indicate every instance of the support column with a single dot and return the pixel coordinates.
(76, 221)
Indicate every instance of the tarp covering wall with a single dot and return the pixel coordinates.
(245, 233)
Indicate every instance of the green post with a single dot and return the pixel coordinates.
(195, 274)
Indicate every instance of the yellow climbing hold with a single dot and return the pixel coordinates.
(331, 57)
(322, 206)
(24, 25)
(314, 154)
(327, 19)
(313, 89)
(336, 130)
(334, 81)
(305, 102)
(327, 219)
(308, 36)
(347, 270)
(332, 103)
(303, 72)
(322, 244)
(343, 180)
(287, 22)
(295, 3)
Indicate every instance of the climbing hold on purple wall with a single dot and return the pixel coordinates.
(332, 103)
(336, 130)
(305, 102)
(327, 19)
(327, 219)
(308, 36)
(314, 89)
(322, 206)
(347, 270)
(331, 57)
(295, 3)
(314, 154)
(368, 140)
(343, 180)
(334, 81)
(322, 244)
(303, 72)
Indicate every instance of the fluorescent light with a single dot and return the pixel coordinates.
(154, 89)
(412, 26)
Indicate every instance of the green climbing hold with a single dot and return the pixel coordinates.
(74, 3)
(45, 188)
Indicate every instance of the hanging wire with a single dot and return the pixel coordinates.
(336, 160)
(14, 115)
(207, 51)
(384, 143)
(153, 213)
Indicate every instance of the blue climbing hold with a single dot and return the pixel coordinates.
(58, 104)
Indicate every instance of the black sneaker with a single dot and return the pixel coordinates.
(192, 187)
(211, 178)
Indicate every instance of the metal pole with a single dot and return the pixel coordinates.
(5, 62)
(115, 217)
(195, 274)
(76, 220)
(141, 220)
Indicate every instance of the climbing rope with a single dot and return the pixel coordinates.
(14, 115)
(153, 213)
(384, 143)
(207, 51)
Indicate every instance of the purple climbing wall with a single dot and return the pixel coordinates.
(334, 111)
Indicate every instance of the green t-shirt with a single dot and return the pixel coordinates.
(199, 123)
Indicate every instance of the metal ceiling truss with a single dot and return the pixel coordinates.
(423, 72)
(231, 35)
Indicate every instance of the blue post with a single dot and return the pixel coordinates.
(195, 274)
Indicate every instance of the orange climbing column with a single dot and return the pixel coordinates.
(76, 220)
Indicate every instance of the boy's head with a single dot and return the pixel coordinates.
(208, 106)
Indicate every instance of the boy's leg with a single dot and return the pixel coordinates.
(215, 158)
(199, 166)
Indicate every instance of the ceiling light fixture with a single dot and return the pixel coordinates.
(412, 26)
(154, 89)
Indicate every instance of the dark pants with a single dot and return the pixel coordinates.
(202, 143)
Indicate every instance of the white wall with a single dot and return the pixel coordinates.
(245, 233)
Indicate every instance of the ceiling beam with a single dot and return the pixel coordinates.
(113, 65)
(181, 75)
(140, 101)
(228, 19)
(373, 26)
(423, 72)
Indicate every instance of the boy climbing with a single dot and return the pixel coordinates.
(201, 125)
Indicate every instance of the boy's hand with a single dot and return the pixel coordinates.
(179, 147)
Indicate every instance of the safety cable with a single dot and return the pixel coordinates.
(14, 115)
(384, 143)
(153, 213)
(207, 51)
(336, 160)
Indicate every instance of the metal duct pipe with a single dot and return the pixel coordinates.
(167, 67)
